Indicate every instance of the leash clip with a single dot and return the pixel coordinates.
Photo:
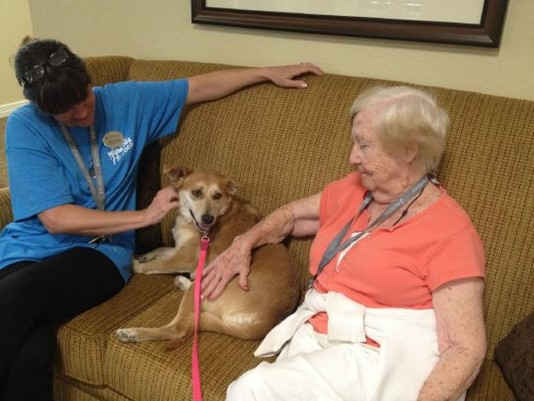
(204, 240)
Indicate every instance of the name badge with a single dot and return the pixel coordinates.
(113, 139)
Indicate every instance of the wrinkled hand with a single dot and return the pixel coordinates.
(165, 200)
(284, 76)
(234, 260)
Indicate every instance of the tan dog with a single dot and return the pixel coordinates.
(208, 204)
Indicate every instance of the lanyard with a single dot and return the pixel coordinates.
(97, 192)
(336, 246)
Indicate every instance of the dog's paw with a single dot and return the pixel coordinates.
(183, 283)
(127, 335)
(137, 266)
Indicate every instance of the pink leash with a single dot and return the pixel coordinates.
(195, 366)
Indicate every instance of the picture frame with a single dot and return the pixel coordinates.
(486, 31)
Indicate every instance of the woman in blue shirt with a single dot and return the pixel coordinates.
(73, 154)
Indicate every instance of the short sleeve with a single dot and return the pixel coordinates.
(156, 107)
(457, 257)
(36, 178)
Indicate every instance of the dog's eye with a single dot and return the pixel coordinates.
(197, 193)
(217, 195)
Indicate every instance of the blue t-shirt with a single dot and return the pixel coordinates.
(44, 174)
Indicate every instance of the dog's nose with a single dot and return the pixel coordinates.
(207, 219)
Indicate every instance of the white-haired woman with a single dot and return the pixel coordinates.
(395, 310)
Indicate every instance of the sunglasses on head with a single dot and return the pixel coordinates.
(38, 71)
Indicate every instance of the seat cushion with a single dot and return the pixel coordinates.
(127, 365)
(66, 389)
(490, 385)
(83, 340)
(515, 356)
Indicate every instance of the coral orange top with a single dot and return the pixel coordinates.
(393, 267)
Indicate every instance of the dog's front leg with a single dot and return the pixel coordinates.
(155, 261)
(180, 327)
(163, 252)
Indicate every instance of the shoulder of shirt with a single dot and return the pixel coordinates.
(24, 111)
(450, 216)
(343, 190)
(28, 115)
(118, 88)
(350, 181)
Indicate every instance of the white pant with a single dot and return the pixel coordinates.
(339, 365)
(310, 368)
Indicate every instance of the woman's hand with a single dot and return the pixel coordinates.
(234, 260)
(165, 200)
(284, 76)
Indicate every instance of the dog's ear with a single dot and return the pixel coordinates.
(176, 175)
(230, 187)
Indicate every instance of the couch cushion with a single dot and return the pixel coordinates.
(66, 389)
(515, 356)
(490, 385)
(222, 359)
(3, 161)
(82, 341)
(107, 69)
(280, 145)
(6, 216)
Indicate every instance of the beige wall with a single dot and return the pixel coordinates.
(163, 29)
(16, 23)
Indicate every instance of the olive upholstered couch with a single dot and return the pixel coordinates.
(279, 145)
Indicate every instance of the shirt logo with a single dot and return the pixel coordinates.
(119, 151)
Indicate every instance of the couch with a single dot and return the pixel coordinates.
(280, 145)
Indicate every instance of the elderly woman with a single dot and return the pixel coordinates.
(395, 308)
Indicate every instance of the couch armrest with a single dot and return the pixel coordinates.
(108, 69)
(6, 215)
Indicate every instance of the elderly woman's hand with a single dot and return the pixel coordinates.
(284, 76)
(234, 260)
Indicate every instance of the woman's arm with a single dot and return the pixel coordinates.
(299, 218)
(73, 219)
(462, 339)
(215, 85)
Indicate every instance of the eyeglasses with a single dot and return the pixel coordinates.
(38, 71)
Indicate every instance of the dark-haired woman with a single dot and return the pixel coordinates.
(73, 153)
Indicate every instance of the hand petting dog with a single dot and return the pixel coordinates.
(234, 260)
(165, 200)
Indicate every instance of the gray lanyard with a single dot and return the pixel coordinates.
(336, 246)
(97, 192)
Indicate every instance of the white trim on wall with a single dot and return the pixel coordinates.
(6, 109)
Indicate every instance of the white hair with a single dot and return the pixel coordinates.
(405, 117)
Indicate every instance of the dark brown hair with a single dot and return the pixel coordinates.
(62, 86)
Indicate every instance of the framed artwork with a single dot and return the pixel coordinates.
(467, 22)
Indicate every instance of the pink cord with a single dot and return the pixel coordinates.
(195, 366)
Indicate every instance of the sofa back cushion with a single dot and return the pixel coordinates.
(283, 144)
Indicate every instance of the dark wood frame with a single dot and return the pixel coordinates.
(487, 34)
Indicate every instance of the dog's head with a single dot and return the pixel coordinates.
(204, 197)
